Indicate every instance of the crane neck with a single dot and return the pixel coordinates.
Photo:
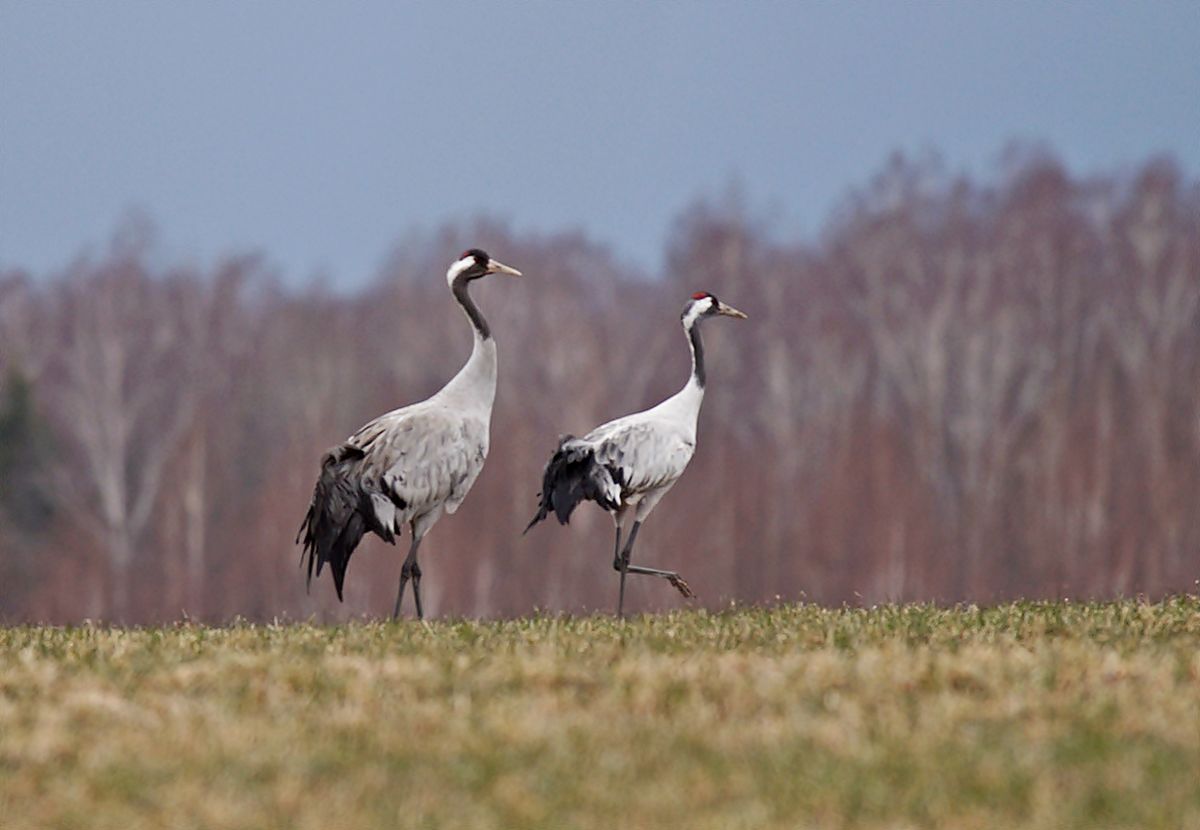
(697, 347)
(474, 387)
(459, 289)
(688, 399)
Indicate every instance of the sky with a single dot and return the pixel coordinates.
(320, 133)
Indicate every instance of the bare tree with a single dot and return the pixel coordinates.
(122, 393)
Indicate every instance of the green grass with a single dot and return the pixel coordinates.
(1030, 715)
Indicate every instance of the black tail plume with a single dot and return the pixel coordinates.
(334, 524)
(573, 475)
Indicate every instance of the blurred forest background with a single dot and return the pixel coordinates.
(963, 389)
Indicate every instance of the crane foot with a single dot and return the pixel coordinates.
(681, 586)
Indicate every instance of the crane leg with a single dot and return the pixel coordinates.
(410, 569)
(622, 564)
(416, 578)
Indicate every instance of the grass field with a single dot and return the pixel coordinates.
(1029, 715)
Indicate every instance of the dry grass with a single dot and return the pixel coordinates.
(1028, 715)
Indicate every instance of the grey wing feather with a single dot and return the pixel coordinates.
(630, 456)
(424, 459)
(398, 467)
(648, 453)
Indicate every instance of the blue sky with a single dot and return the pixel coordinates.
(318, 133)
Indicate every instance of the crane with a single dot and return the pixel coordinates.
(410, 465)
(626, 466)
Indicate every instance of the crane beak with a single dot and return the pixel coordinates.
(730, 311)
(494, 267)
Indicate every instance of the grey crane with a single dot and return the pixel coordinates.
(410, 465)
(626, 466)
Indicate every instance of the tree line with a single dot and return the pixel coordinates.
(965, 388)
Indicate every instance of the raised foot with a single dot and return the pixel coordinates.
(681, 586)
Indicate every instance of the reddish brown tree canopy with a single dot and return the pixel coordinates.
(962, 391)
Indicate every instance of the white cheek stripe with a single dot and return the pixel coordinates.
(692, 313)
(458, 267)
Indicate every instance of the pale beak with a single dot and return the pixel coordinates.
(730, 311)
(494, 267)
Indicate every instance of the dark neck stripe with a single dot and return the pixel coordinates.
(459, 289)
(697, 353)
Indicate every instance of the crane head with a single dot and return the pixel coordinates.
(705, 304)
(475, 263)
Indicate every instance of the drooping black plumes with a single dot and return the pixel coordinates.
(573, 475)
(337, 517)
